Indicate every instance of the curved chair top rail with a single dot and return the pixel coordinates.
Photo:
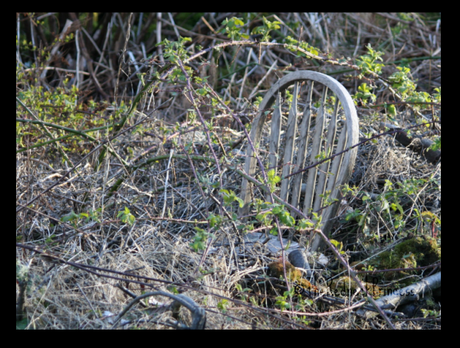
(299, 76)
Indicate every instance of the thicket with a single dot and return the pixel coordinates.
(131, 130)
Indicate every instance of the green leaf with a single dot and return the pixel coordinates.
(391, 110)
(274, 231)
(338, 245)
(69, 217)
(304, 223)
(286, 218)
(238, 21)
(215, 220)
(126, 217)
(202, 91)
(397, 206)
(222, 305)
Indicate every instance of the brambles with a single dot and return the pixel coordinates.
(145, 151)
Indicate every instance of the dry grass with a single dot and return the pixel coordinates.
(173, 194)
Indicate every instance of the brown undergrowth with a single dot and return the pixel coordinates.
(119, 206)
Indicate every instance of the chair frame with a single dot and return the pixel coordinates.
(317, 181)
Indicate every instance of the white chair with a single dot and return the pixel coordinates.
(318, 122)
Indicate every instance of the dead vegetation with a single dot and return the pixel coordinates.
(135, 205)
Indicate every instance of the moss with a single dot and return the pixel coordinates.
(425, 250)
(294, 274)
(276, 270)
(414, 252)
